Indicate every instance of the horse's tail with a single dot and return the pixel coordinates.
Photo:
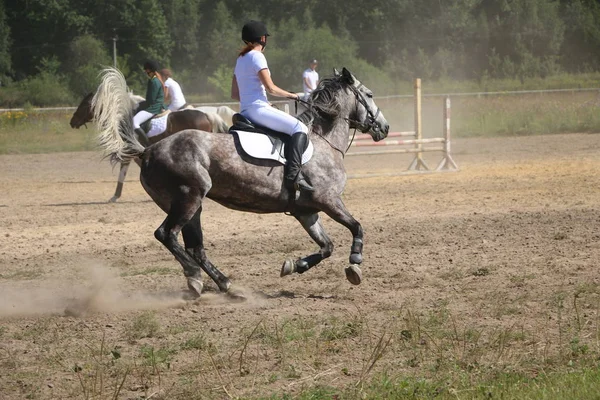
(217, 123)
(114, 117)
(226, 113)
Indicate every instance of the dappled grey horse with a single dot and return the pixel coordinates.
(181, 170)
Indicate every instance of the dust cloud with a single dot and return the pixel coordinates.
(96, 289)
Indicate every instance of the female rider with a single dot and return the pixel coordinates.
(155, 96)
(173, 93)
(250, 84)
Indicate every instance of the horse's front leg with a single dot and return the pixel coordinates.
(122, 175)
(338, 212)
(312, 224)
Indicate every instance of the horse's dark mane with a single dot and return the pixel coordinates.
(323, 100)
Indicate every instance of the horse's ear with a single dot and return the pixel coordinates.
(336, 73)
(347, 75)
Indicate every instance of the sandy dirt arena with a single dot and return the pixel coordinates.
(496, 246)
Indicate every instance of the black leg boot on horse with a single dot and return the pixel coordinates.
(294, 179)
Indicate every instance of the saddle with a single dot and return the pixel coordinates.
(156, 125)
(261, 142)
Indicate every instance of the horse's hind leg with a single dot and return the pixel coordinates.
(312, 224)
(122, 175)
(338, 212)
(194, 246)
(182, 210)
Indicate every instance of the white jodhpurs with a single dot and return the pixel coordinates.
(175, 106)
(141, 117)
(275, 119)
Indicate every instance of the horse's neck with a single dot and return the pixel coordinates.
(334, 131)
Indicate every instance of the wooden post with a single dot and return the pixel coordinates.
(418, 163)
(447, 162)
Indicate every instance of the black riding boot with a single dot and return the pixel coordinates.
(293, 168)
(142, 138)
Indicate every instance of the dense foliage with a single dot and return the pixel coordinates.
(59, 45)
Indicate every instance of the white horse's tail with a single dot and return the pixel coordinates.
(226, 113)
(114, 117)
(217, 123)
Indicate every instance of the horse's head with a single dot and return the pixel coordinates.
(365, 116)
(84, 113)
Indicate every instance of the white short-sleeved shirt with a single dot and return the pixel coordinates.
(175, 93)
(252, 91)
(312, 77)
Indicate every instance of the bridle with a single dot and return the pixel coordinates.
(364, 127)
(369, 125)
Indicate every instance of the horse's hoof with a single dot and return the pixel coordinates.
(354, 274)
(288, 267)
(236, 295)
(195, 285)
(224, 285)
(113, 199)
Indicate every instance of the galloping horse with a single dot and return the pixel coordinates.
(175, 122)
(182, 170)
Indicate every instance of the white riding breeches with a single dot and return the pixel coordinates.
(275, 119)
(141, 117)
(175, 106)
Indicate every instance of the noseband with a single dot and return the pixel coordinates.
(371, 123)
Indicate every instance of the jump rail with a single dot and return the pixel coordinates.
(418, 163)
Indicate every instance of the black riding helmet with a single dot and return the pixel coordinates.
(253, 30)
(151, 66)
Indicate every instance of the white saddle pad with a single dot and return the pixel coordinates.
(258, 145)
(158, 125)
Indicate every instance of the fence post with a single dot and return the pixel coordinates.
(447, 161)
(418, 164)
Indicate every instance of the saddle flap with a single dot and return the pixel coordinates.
(263, 146)
(155, 126)
(264, 143)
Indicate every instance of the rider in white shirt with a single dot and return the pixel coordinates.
(250, 84)
(310, 79)
(173, 92)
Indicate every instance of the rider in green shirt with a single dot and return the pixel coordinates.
(155, 96)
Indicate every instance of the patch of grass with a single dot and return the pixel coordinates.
(501, 115)
(144, 325)
(101, 373)
(289, 330)
(197, 342)
(43, 132)
(335, 329)
(552, 386)
(157, 356)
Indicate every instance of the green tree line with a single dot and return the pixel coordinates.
(52, 50)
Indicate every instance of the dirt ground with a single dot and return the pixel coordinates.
(494, 245)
